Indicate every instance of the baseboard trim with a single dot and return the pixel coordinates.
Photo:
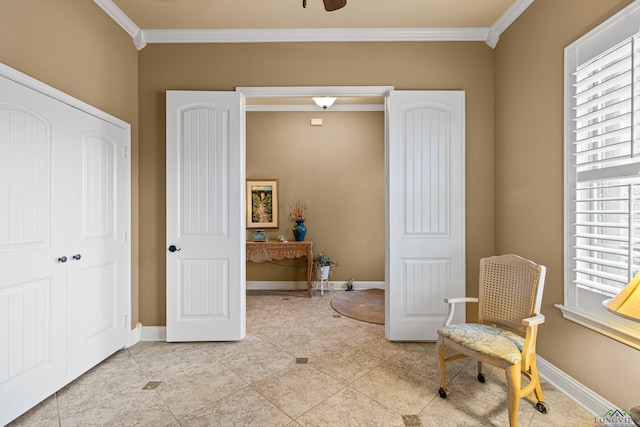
(595, 404)
(301, 286)
(153, 333)
(133, 336)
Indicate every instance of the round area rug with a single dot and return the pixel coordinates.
(366, 305)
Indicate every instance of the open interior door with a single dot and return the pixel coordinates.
(206, 278)
(425, 260)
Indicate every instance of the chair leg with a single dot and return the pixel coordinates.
(443, 365)
(513, 384)
(538, 389)
(480, 377)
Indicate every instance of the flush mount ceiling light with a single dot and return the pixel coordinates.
(324, 101)
(330, 5)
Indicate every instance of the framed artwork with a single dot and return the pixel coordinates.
(262, 203)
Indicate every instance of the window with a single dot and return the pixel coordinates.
(602, 172)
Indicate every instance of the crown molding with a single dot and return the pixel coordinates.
(508, 18)
(280, 35)
(124, 21)
(141, 37)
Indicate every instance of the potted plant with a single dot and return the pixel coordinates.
(322, 264)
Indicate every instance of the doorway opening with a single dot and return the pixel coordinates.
(423, 209)
(330, 160)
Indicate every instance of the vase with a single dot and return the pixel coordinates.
(299, 231)
(259, 236)
(322, 273)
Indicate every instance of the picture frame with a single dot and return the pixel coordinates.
(262, 203)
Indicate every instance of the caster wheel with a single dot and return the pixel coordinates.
(443, 393)
(481, 378)
(541, 408)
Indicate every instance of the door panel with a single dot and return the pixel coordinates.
(421, 281)
(98, 187)
(204, 290)
(97, 221)
(24, 167)
(205, 212)
(33, 282)
(98, 300)
(425, 210)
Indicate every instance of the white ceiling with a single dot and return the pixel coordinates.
(255, 21)
(183, 14)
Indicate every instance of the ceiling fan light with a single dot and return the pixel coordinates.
(324, 101)
(331, 5)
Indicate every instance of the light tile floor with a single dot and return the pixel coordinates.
(301, 364)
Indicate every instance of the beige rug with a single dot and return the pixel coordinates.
(366, 305)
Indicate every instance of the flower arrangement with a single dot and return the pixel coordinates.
(323, 260)
(298, 211)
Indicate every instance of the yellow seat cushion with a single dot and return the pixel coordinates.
(487, 340)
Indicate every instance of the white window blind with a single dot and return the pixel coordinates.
(605, 164)
(602, 172)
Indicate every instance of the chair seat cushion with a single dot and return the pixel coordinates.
(485, 339)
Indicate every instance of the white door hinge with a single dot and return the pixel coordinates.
(126, 152)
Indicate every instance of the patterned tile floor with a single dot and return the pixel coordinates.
(301, 364)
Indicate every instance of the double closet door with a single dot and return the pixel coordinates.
(64, 250)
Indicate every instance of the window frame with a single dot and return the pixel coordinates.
(581, 305)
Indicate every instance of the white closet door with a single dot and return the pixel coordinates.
(425, 211)
(64, 191)
(205, 216)
(97, 247)
(33, 283)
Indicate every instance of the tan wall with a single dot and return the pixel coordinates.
(338, 169)
(457, 66)
(529, 183)
(76, 48)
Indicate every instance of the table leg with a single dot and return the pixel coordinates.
(309, 267)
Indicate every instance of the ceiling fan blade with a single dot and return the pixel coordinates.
(330, 5)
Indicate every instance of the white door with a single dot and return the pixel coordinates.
(98, 266)
(425, 260)
(52, 315)
(206, 278)
(33, 283)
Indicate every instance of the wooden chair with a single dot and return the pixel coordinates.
(505, 335)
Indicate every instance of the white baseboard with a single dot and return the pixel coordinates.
(301, 286)
(153, 333)
(593, 403)
(133, 336)
(276, 286)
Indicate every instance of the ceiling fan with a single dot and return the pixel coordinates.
(330, 5)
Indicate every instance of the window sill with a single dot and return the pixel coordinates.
(618, 328)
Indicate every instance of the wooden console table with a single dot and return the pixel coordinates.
(268, 251)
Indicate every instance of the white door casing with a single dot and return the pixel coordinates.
(425, 218)
(206, 278)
